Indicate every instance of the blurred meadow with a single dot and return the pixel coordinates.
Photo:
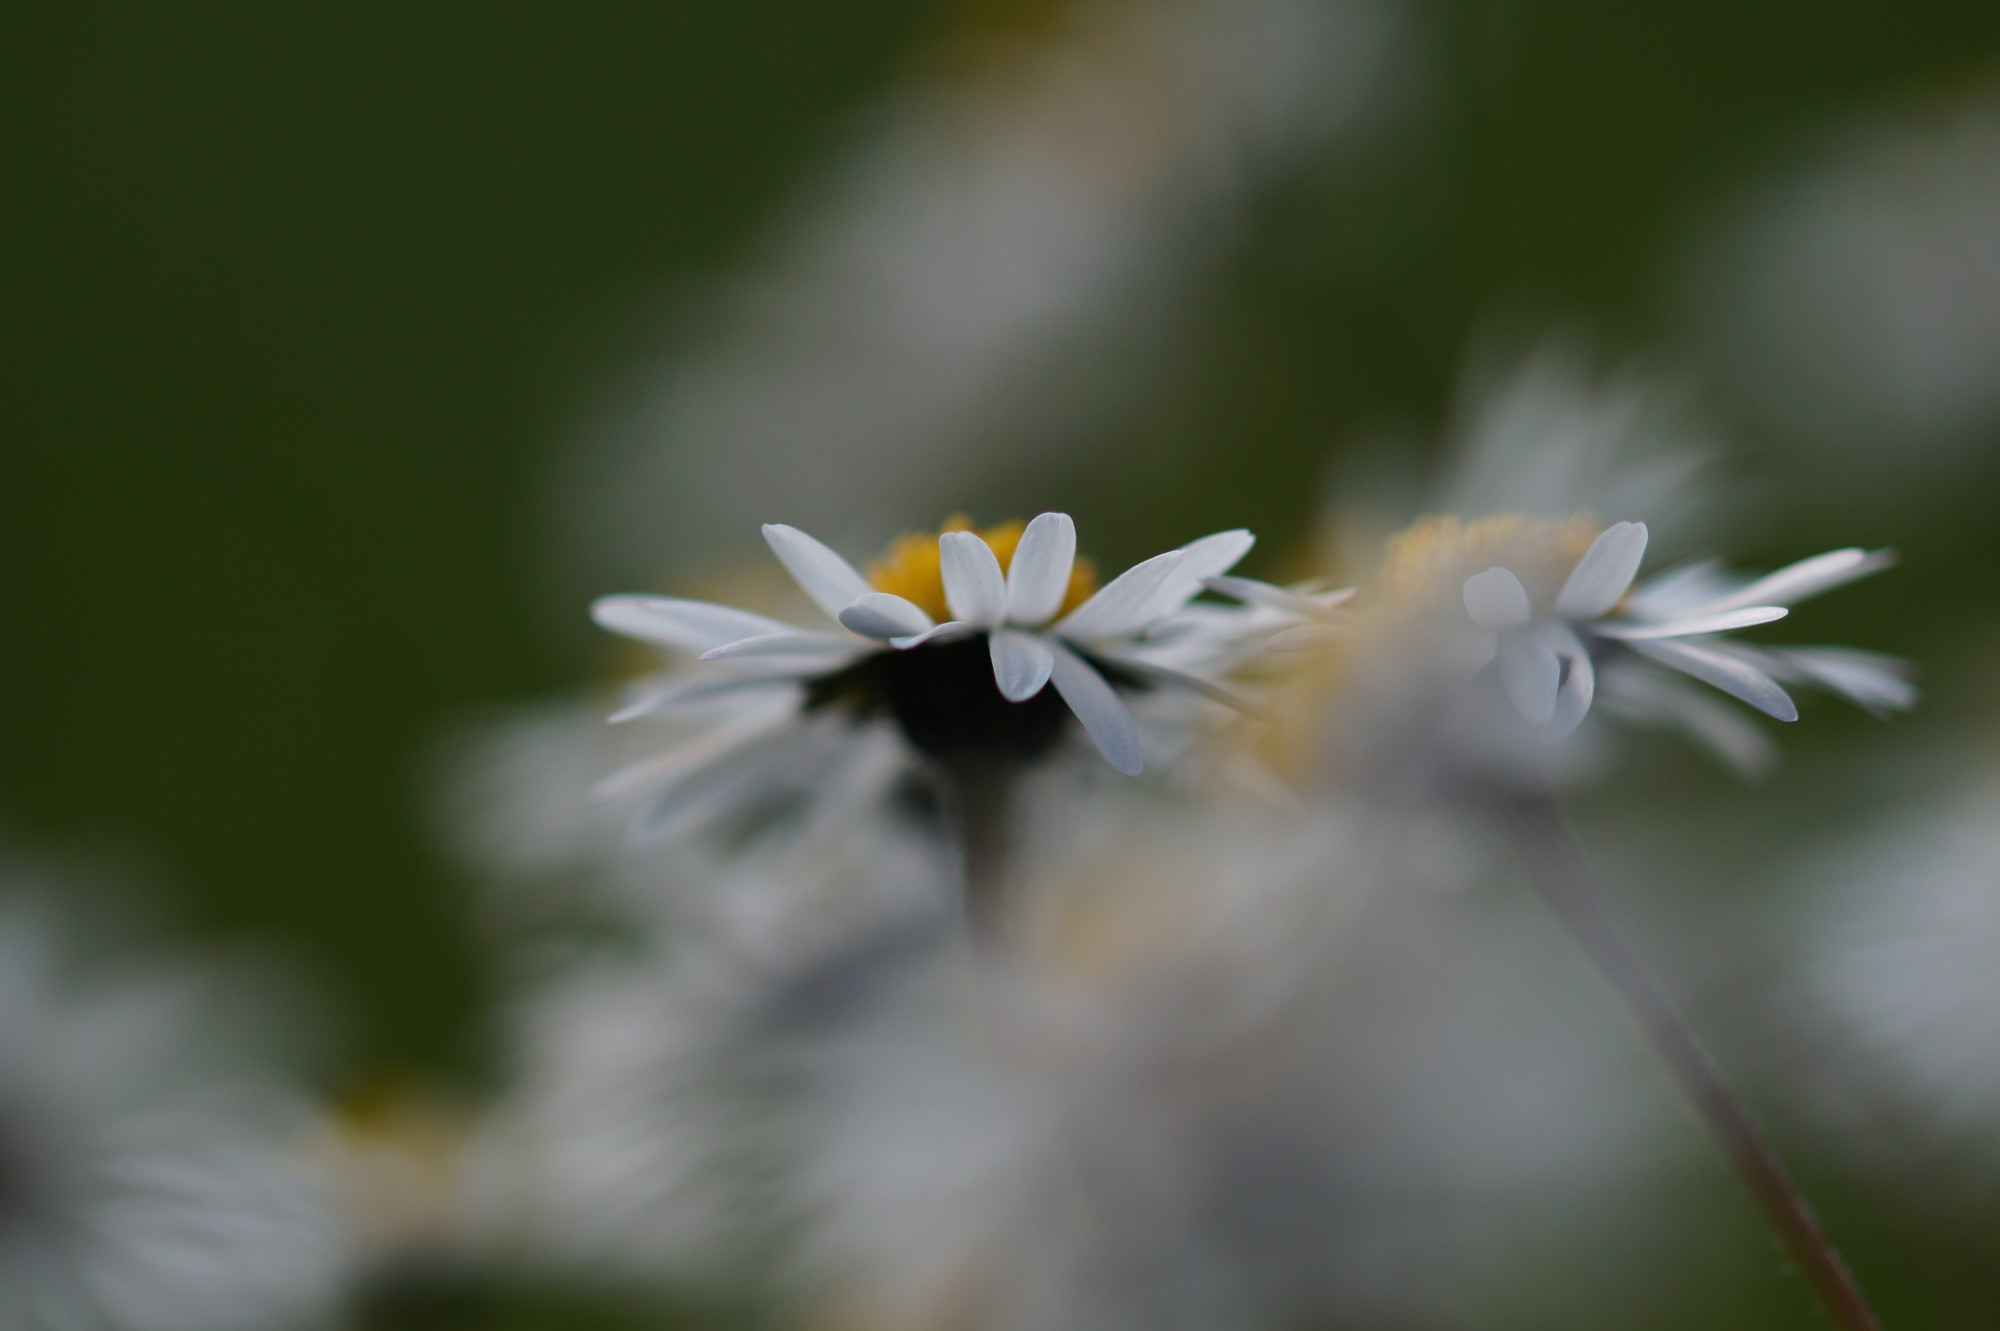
(353, 350)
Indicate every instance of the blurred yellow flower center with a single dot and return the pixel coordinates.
(1426, 564)
(910, 568)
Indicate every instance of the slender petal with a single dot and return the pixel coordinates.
(830, 580)
(1678, 592)
(1747, 617)
(692, 626)
(1022, 663)
(1531, 674)
(1039, 574)
(1640, 692)
(1496, 599)
(1293, 600)
(789, 643)
(1122, 605)
(1097, 705)
(1303, 638)
(951, 628)
(752, 726)
(660, 696)
(1604, 573)
(790, 753)
(884, 616)
(1879, 683)
(974, 587)
(1193, 683)
(1808, 577)
(1579, 679)
(1210, 557)
(1732, 675)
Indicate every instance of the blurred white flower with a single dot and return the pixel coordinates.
(1192, 1091)
(1027, 644)
(1506, 628)
(986, 271)
(1902, 960)
(148, 1180)
(613, 1152)
(1856, 302)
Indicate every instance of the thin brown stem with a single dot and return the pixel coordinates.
(1566, 882)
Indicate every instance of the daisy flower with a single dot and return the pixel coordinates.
(1546, 613)
(149, 1179)
(972, 646)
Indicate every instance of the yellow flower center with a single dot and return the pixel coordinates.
(1426, 564)
(909, 568)
(1419, 588)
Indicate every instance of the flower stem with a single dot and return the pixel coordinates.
(978, 804)
(1566, 882)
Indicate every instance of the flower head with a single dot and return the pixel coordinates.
(149, 1178)
(1541, 616)
(982, 650)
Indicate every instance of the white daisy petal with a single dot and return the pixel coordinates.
(692, 626)
(751, 727)
(951, 628)
(1303, 638)
(1292, 600)
(884, 616)
(659, 697)
(974, 587)
(1879, 683)
(1124, 604)
(1531, 675)
(1210, 557)
(1097, 705)
(1022, 663)
(1604, 573)
(1579, 680)
(1732, 675)
(789, 643)
(1182, 679)
(1496, 599)
(1679, 591)
(1643, 692)
(1808, 577)
(1722, 622)
(830, 580)
(1038, 577)
(788, 754)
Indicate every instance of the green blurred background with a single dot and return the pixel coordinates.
(302, 300)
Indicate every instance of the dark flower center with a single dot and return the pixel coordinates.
(943, 698)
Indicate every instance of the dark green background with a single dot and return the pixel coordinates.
(298, 297)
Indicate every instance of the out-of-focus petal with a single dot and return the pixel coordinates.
(1496, 599)
(1879, 683)
(789, 643)
(1734, 676)
(1721, 622)
(1531, 674)
(692, 626)
(1809, 577)
(1604, 573)
(1579, 681)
